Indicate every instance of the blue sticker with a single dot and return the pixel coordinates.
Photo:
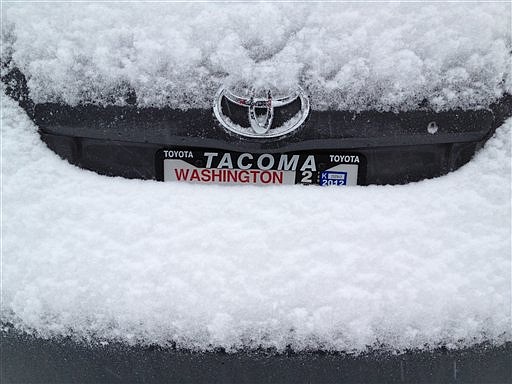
(333, 178)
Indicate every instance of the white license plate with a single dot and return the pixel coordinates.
(208, 166)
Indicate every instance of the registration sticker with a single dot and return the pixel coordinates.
(333, 178)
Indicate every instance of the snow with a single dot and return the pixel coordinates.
(357, 56)
(103, 259)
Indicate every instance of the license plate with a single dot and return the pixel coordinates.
(198, 165)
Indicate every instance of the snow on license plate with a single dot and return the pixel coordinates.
(226, 167)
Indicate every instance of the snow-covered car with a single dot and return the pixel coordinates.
(320, 147)
(334, 105)
(111, 279)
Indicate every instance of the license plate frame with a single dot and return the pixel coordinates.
(210, 165)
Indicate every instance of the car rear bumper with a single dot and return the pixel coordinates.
(27, 359)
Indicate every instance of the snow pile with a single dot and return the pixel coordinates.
(209, 266)
(347, 56)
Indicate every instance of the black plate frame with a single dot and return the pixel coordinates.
(361, 174)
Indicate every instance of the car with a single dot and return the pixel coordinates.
(335, 95)
(294, 144)
(406, 111)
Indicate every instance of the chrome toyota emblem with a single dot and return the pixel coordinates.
(277, 116)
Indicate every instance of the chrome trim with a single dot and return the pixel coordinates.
(258, 128)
